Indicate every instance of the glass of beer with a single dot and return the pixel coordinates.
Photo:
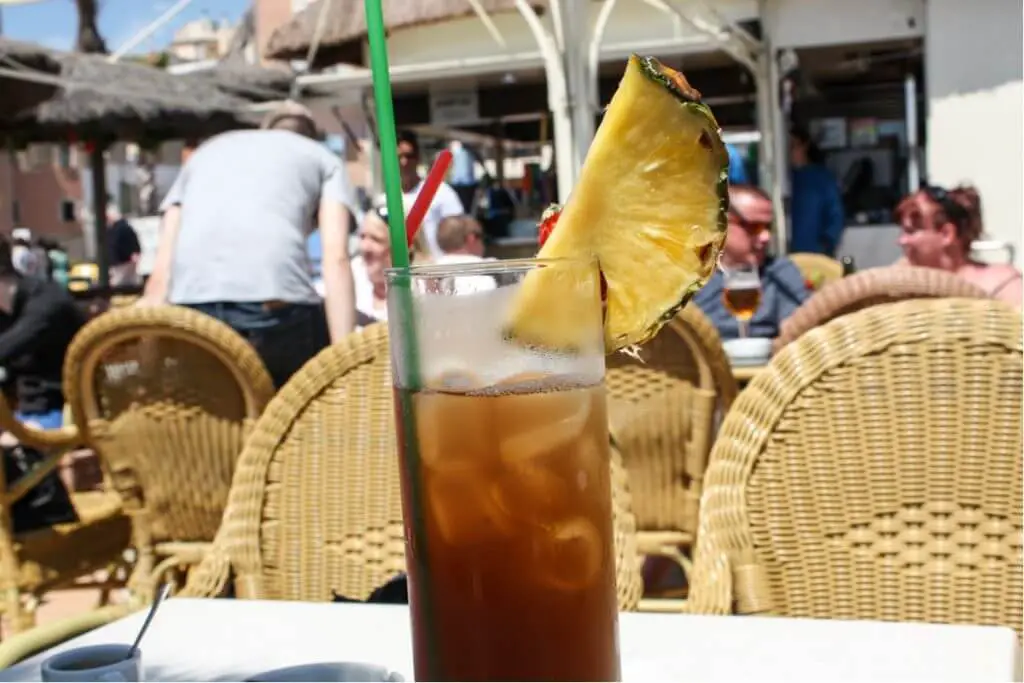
(505, 480)
(741, 293)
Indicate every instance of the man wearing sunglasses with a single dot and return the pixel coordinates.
(746, 245)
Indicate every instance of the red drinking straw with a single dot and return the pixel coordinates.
(426, 195)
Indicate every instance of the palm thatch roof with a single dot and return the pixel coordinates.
(20, 94)
(105, 101)
(252, 83)
(345, 25)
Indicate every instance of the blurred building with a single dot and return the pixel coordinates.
(201, 40)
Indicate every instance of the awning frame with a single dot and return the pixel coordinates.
(571, 60)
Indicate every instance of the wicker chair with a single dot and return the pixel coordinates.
(688, 349)
(873, 471)
(665, 442)
(315, 509)
(818, 270)
(869, 288)
(663, 409)
(34, 563)
(167, 397)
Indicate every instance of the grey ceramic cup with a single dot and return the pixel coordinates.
(94, 663)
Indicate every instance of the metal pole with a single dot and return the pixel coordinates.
(558, 101)
(149, 30)
(594, 56)
(98, 170)
(580, 82)
(777, 139)
(913, 158)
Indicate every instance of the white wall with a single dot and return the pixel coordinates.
(810, 23)
(973, 75)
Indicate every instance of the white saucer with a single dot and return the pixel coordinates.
(749, 351)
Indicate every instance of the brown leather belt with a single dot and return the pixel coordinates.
(274, 305)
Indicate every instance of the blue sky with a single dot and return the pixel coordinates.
(52, 22)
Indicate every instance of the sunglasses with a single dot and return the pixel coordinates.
(754, 227)
(940, 196)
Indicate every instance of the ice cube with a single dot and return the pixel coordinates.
(569, 557)
(465, 509)
(455, 378)
(531, 425)
(530, 495)
(454, 432)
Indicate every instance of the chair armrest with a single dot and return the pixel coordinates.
(23, 645)
(65, 438)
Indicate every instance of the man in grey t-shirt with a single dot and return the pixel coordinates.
(233, 241)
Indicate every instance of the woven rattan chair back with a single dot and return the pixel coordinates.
(688, 349)
(873, 471)
(665, 443)
(167, 396)
(870, 288)
(662, 409)
(316, 510)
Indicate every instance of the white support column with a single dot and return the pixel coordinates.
(776, 141)
(580, 82)
(594, 56)
(723, 34)
(558, 101)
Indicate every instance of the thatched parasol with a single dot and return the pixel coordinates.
(252, 83)
(20, 94)
(103, 102)
(345, 25)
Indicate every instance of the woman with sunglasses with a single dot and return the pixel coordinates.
(937, 229)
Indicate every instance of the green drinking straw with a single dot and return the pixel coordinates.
(407, 344)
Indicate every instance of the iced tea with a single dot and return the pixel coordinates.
(515, 577)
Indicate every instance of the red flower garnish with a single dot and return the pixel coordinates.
(547, 223)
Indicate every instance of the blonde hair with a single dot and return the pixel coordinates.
(453, 232)
(420, 252)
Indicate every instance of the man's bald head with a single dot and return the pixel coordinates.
(741, 196)
(291, 116)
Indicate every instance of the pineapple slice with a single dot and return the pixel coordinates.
(650, 207)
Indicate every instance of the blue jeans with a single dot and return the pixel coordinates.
(284, 335)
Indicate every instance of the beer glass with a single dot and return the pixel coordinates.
(505, 478)
(741, 293)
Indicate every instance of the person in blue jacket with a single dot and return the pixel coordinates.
(816, 206)
(738, 174)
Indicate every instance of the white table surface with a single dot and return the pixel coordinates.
(208, 640)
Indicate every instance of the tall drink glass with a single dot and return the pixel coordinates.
(505, 479)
